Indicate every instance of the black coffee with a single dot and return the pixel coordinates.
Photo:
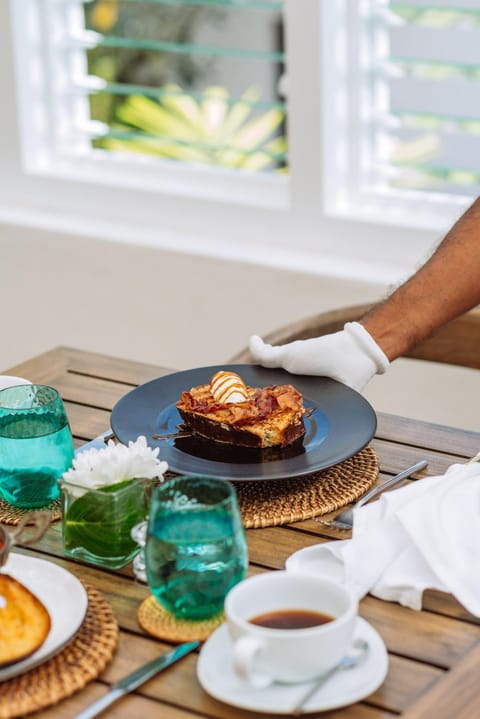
(291, 619)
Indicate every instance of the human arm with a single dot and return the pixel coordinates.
(447, 285)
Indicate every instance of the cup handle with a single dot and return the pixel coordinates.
(245, 650)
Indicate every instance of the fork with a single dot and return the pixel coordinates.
(344, 520)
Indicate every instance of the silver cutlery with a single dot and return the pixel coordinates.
(173, 435)
(357, 654)
(99, 442)
(136, 678)
(102, 439)
(344, 520)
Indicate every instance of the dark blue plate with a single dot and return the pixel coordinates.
(341, 423)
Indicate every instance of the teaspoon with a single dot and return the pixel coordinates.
(357, 654)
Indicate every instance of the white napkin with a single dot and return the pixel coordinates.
(7, 380)
(426, 535)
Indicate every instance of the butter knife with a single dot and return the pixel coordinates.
(133, 680)
(99, 442)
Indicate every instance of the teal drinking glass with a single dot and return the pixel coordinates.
(36, 444)
(195, 549)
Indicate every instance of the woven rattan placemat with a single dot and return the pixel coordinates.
(282, 501)
(12, 515)
(160, 623)
(82, 660)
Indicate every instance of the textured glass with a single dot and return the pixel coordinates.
(35, 445)
(195, 550)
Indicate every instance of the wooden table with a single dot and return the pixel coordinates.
(434, 654)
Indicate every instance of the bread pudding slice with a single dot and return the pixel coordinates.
(269, 417)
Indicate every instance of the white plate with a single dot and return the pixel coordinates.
(63, 596)
(216, 675)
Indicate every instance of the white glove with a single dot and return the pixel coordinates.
(350, 356)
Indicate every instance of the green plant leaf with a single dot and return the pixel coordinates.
(214, 111)
(278, 145)
(184, 108)
(256, 162)
(100, 521)
(162, 147)
(150, 116)
(256, 132)
(239, 112)
(212, 131)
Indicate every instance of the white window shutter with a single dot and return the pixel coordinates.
(405, 124)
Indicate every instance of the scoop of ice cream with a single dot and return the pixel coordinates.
(228, 388)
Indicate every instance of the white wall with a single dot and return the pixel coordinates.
(171, 308)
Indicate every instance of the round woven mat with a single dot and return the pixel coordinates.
(269, 504)
(158, 622)
(82, 660)
(12, 515)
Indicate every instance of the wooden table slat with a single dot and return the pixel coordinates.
(456, 696)
(420, 434)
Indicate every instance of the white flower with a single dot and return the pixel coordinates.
(115, 463)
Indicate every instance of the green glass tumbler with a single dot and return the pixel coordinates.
(36, 444)
(196, 549)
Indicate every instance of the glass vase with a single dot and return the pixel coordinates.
(96, 523)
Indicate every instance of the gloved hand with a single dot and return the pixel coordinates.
(350, 356)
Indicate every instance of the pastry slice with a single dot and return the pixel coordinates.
(257, 417)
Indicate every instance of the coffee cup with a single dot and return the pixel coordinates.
(288, 627)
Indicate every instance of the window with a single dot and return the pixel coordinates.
(405, 120)
(189, 82)
(141, 82)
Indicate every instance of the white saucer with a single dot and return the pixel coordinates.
(64, 598)
(216, 675)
